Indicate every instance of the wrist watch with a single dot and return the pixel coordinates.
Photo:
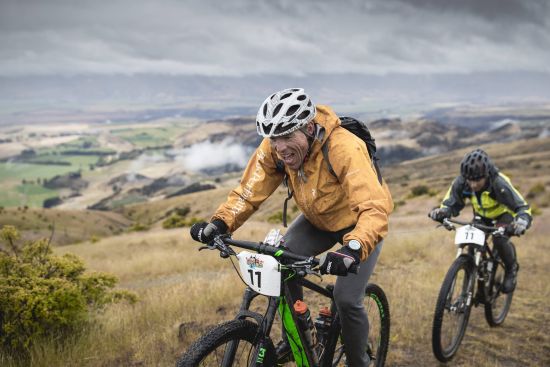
(354, 245)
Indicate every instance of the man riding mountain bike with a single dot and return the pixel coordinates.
(349, 206)
(493, 198)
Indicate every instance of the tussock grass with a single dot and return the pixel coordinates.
(184, 292)
(178, 285)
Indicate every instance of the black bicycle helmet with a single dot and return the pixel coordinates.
(475, 165)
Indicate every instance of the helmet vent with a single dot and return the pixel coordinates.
(303, 115)
(292, 110)
(277, 109)
(279, 130)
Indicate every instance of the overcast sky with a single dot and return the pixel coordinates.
(243, 37)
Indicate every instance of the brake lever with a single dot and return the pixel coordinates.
(207, 247)
(447, 225)
(218, 244)
(310, 271)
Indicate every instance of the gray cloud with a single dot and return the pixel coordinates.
(249, 37)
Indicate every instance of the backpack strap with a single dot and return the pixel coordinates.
(281, 168)
(374, 160)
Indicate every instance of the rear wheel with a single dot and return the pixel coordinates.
(452, 309)
(378, 312)
(233, 343)
(497, 304)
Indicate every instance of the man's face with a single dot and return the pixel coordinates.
(477, 185)
(291, 148)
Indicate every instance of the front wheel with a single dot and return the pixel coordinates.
(452, 309)
(378, 313)
(232, 343)
(497, 304)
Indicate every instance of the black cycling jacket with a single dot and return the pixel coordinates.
(498, 197)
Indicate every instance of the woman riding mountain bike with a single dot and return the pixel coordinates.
(346, 205)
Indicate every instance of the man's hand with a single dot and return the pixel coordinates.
(519, 225)
(205, 232)
(339, 262)
(438, 214)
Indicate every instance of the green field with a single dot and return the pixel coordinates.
(28, 194)
(87, 145)
(19, 171)
(20, 182)
(149, 137)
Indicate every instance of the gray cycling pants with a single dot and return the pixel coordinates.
(349, 291)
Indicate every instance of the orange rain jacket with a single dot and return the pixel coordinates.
(354, 197)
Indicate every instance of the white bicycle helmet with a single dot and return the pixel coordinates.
(284, 112)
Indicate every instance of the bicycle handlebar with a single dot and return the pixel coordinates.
(477, 225)
(263, 248)
(220, 242)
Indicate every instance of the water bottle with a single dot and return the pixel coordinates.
(322, 324)
(306, 325)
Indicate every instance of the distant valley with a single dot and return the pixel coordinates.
(111, 163)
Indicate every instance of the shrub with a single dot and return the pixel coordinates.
(419, 190)
(399, 204)
(535, 210)
(277, 218)
(193, 220)
(46, 296)
(138, 227)
(536, 190)
(182, 212)
(174, 221)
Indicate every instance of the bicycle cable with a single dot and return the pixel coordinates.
(236, 270)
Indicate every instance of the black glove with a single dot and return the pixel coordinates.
(205, 232)
(438, 214)
(339, 262)
(519, 225)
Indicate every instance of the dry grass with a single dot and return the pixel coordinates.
(411, 269)
(178, 285)
(63, 226)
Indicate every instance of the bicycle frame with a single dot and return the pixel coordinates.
(303, 354)
(480, 254)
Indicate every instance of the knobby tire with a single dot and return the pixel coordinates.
(448, 306)
(378, 312)
(382, 312)
(204, 351)
(497, 304)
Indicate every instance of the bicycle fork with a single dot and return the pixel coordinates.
(469, 291)
(260, 354)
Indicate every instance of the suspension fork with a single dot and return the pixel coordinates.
(476, 257)
(264, 323)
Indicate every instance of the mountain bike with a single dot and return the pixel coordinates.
(475, 277)
(249, 340)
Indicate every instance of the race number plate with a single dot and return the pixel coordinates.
(260, 272)
(469, 234)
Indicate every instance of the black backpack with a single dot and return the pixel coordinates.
(359, 129)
